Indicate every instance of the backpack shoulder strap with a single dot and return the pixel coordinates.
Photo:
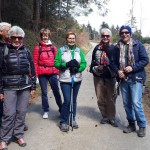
(52, 48)
(77, 49)
(63, 50)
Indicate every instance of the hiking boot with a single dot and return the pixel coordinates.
(141, 132)
(74, 125)
(21, 142)
(104, 121)
(64, 127)
(45, 115)
(129, 129)
(113, 123)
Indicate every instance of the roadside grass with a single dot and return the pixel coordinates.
(146, 95)
(34, 98)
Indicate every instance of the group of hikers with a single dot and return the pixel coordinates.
(19, 72)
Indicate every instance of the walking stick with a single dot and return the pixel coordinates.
(71, 103)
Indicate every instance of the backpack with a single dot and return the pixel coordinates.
(40, 51)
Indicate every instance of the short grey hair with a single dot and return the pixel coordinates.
(104, 30)
(16, 30)
(3, 24)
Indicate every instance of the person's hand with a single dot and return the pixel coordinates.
(128, 69)
(32, 92)
(1, 97)
(121, 74)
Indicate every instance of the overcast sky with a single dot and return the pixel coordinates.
(118, 15)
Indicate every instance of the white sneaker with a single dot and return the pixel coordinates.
(45, 115)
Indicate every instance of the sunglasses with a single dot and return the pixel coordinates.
(107, 36)
(122, 33)
(16, 37)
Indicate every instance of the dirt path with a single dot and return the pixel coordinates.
(91, 135)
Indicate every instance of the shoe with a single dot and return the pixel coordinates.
(64, 127)
(104, 121)
(21, 142)
(3, 146)
(45, 115)
(113, 123)
(141, 132)
(74, 125)
(25, 127)
(129, 129)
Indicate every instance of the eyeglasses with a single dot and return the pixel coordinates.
(16, 37)
(122, 33)
(107, 36)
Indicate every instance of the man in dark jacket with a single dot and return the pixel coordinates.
(4, 28)
(129, 59)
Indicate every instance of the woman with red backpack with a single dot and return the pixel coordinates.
(43, 56)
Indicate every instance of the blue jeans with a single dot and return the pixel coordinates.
(66, 90)
(53, 81)
(132, 100)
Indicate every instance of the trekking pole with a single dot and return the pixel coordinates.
(71, 103)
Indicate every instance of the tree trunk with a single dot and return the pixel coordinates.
(36, 15)
(0, 11)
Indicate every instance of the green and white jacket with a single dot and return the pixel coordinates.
(64, 55)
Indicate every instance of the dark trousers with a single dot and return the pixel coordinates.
(105, 89)
(65, 111)
(53, 81)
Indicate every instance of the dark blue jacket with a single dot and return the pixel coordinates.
(141, 60)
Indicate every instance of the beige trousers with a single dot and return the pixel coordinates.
(106, 97)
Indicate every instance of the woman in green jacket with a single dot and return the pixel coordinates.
(71, 62)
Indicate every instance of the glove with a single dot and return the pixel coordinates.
(72, 63)
(73, 70)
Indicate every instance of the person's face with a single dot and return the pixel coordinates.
(45, 38)
(105, 37)
(4, 33)
(16, 40)
(125, 35)
(71, 39)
